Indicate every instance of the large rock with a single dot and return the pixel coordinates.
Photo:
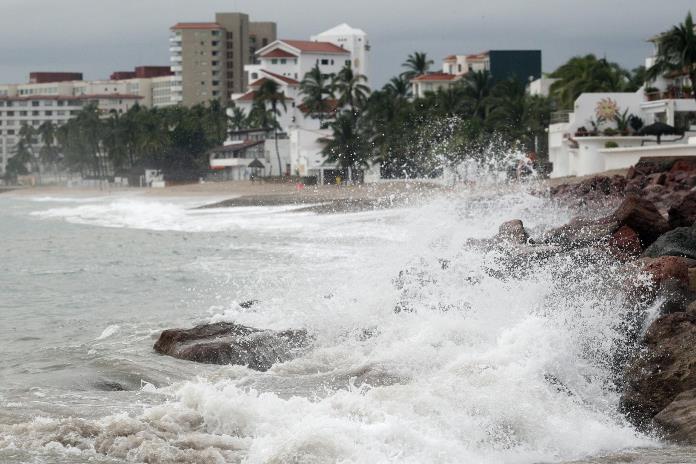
(664, 369)
(683, 214)
(512, 232)
(230, 343)
(678, 419)
(643, 217)
(678, 242)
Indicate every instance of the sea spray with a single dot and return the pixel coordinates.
(484, 366)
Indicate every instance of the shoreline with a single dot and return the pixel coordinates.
(325, 199)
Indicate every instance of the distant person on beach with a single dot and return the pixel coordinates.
(525, 166)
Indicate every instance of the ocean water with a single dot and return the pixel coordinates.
(490, 364)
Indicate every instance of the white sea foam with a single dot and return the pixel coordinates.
(108, 332)
(482, 368)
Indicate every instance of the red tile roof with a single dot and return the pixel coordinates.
(249, 96)
(309, 46)
(330, 106)
(450, 58)
(477, 56)
(196, 26)
(278, 53)
(285, 79)
(436, 76)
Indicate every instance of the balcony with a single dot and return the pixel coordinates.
(558, 117)
(176, 59)
(175, 49)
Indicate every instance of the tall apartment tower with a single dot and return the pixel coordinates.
(208, 58)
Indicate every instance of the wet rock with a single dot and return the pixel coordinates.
(683, 214)
(678, 419)
(643, 217)
(678, 242)
(665, 368)
(625, 243)
(230, 343)
(513, 232)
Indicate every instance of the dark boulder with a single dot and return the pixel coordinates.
(230, 343)
(678, 242)
(683, 214)
(664, 369)
(643, 217)
(678, 419)
(513, 232)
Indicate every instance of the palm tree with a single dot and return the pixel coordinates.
(399, 87)
(269, 93)
(25, 146)
(317, 90)
(587, 73)
(477, 87)
(416, 64)
(347, 146)
(48, 152)
(676, 52)
(238, 120)
(350, 85)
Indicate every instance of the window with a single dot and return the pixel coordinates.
(202, 82)
(23, 113)
(347, 63)
(283, 61)
(215, 43)
(49, 113)
(216, 83)
(10, 113)
(34, 103)
(215, 53)
(215, 33)
(264, 42)
(274, 61)
(34, 113)
(254, 76)
(215, 63)
(332, 61)
(324, 61)
(10, 132)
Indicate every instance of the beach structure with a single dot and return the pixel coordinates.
(602, 132)
(208, 58)
(522, 65)
(302, 131)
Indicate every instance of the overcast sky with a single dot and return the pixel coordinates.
(100, 36)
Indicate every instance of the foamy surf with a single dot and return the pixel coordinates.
(482, 367)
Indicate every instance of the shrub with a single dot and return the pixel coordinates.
(611, 144)
(610, 132)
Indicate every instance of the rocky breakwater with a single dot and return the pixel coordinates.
(654, 229)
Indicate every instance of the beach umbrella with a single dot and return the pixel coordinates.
(257, 166)
(658, 129)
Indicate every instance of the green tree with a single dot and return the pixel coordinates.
(347, 146)
(238, 120)
(676, 52)
(416, 64)
(351, 88)
(582, 74)
(270, 94)
(399, 87)
(317, 91)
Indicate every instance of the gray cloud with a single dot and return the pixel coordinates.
(98, 37)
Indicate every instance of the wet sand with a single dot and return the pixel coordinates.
(324, 199)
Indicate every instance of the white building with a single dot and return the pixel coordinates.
(286, 62)
(577, 148)
(34, 103)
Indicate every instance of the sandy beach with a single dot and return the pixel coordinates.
(321, 199)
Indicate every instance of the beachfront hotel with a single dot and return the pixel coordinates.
(286, 62)
(57, 97)
(589, 139)
(208, 59)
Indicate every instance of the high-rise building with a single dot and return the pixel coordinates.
(208, 58)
